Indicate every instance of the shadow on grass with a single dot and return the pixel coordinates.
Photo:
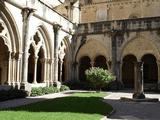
(88, 105)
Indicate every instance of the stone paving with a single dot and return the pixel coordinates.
(133, 110)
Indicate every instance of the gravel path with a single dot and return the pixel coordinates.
(133, 110)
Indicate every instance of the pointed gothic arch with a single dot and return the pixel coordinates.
(10, 36)
(40, 57)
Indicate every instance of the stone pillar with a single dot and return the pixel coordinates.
(47, 72)
(61, 64)
(43, 72)
(114, 52)
(92, 63)
(26, 14)
(121, 64)
(138, 82)
(51, 71)
(158, 66)
(13, 80)
(35, 69)
(18, 57)
(56, 28)
(9, 69)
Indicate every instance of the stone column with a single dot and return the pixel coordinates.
(51, 71)
(43, 74)
(26, 14)
(114, 52)
(13, 80)
(56, 28)
(47, 72)
(92, 63)
(121, 64)
(138, 82)
(61, 64)
(158, 66)
(35, 69)
(9, 69)
(18, 57)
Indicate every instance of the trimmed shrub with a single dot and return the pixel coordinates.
(47, 90)
(64, 88)
(36, 91)
(12, 94)
(99, 77)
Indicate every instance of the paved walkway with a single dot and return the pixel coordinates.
(133, 110)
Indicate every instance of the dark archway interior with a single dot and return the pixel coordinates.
(128, 74)
(83, 66)
(100, 61)
(150, 69)
(31, 65)
(40, 66)
(64, 66)
(3, 58)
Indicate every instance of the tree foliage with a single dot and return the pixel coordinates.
(99, 77)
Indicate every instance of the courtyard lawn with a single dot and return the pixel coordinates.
(79, 106)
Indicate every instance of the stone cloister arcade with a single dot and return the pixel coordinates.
(137, 54)
(31, 50)
(39, 48)
(130, 65)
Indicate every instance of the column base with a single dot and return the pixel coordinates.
(57, 84)
(138, 96)
(26, 86)
(124, 99)
(17, 85)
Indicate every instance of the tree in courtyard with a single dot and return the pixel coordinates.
(99, 77)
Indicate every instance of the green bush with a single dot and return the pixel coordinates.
(12, 94)
(36, 91)
(64, 88)
(99, 77)
(47, 90)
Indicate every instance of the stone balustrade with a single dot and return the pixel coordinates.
(127, 25)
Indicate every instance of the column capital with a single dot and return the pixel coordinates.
(36, 56)
(56, 27)
(92, 63)
(50, 61)
(18, 55)
(43, 60)
(27, 12)
(13, 55)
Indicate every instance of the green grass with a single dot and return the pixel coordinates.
(79, 106)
